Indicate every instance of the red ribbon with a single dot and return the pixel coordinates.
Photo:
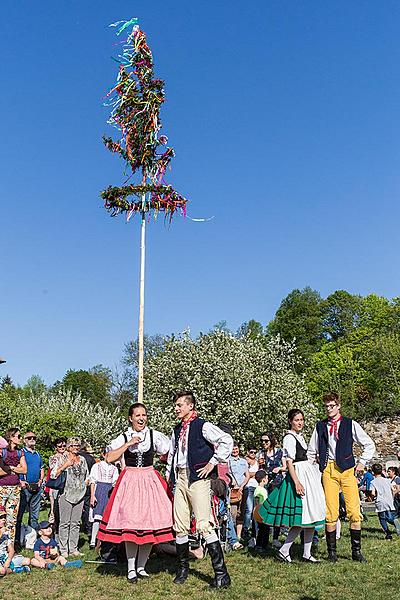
(333, 427)
(185, 425)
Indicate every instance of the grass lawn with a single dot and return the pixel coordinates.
(252, 577)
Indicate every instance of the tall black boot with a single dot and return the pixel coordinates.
(355, 536)
(221, 577)
(182, 555)
(331, 545)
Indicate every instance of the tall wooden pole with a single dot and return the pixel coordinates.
(141, 305)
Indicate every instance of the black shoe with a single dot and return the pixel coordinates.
(355, 536)
(283, 557)
(182, 555)
(221, 575)
(331, 545)
(388, 536)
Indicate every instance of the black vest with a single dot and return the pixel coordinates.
(199, 451)
(344, 457)
(301, 453)
(140, 459)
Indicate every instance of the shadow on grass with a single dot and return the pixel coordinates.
(164, 564)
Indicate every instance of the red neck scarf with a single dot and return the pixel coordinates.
(185, 425)
(333, 427)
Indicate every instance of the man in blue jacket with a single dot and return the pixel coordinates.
(31, 484)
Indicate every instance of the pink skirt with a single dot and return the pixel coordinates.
(139, 509)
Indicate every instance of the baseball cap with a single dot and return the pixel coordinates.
(43, 525)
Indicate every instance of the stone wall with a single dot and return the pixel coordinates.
(386, 435)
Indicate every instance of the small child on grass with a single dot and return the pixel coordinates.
(46, 554)
(9, 561)
(260, 495)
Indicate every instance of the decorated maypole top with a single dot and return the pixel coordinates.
(136, 100)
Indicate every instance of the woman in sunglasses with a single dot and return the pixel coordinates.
(14, 465)
(55, 462)
(270, 458)
(70, 499)
(248, 486)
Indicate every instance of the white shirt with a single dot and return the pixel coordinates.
(289, 444)
(103, 472)
(359, 436)
(160, 441)
(222, 442)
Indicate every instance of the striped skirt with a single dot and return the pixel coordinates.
(284, 507)
(139, 509)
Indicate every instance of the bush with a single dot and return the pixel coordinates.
(246, 382)
(54, 414)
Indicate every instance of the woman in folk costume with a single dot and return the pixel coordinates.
(139, 511)
(299, 502)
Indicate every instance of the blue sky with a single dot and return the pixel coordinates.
(284, 119)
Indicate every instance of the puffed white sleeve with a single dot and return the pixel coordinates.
(116, 443)
(115, 475)
(365, 441)
(94, 474)
(222, 442)
(289, 447)
(312, 450)
(161, 443)
(171, 452)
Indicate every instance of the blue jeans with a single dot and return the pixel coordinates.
(385, 517)
(231, 534)
(248, 511)
(31, 501)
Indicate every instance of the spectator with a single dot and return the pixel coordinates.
(237, 469)
(248, 486)
(381, 489)
(365, 485)
(393, 475)
(14, 465)
(7, 552)
(87, 452)
(46, 554)
(270, 458)
(260, 495)
(31, 485)
(55, 461)
(71, 498)
(103, 477)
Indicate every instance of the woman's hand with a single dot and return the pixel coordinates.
(276, 470)
(299, 489)
(133, 441)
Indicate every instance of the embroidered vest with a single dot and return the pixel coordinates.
(344, 457)
(140, 459)
(199, 451)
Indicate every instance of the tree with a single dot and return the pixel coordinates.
(34, 385)
(94, 385)
(127, 380)
(246, 382)
(340, 314)
(299, 318)
(252, 328)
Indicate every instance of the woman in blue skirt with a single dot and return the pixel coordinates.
(299, 502)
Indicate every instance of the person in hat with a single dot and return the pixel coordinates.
(7, 552)
(45, 550)
(197, 447)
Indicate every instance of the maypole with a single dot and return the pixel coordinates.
(136, 101)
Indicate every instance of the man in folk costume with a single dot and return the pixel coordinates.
(331, 445)
(197, 446)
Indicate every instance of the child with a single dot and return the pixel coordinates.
(46, 555)
(381, 489)
(7, 565)
(103, 477)
(260, 495)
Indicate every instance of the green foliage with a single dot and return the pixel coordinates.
(299, 318)
(62, 413)
(340, 314)
(95, 384)
(246, 382)
(252, 328)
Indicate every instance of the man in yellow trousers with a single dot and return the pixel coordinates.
(331, 445)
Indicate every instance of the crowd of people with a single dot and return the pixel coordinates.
(211, 498)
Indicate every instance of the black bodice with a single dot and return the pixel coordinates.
(140, 459)
(301, 453)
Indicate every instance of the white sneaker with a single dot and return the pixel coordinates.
(237, 546)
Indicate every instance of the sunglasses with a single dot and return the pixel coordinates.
(18, 436)
(265, 440)
(252, 452)
(61, 445)
(30, 437)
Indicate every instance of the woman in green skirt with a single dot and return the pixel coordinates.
(299, 502)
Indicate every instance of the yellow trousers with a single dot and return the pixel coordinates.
(335, 480)
(192, 499)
